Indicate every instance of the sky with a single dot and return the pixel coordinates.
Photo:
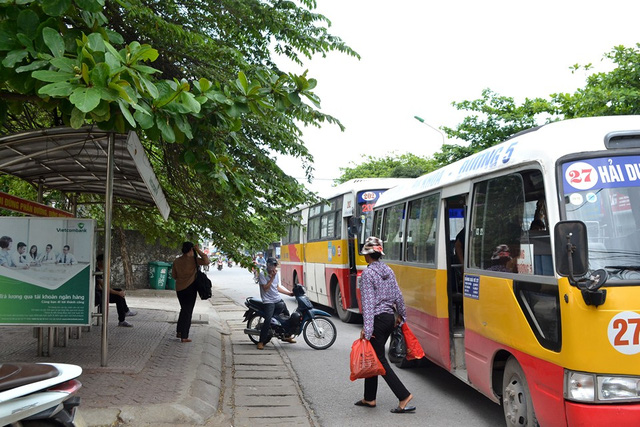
(419, 56)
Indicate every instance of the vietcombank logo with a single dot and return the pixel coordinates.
(79, 229)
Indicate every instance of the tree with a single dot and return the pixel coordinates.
(616, 92)
(399, 166)
(198, 82)
(498, 118)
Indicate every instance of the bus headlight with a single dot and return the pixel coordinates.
(579, 386)
(618, 388)
(586, 387)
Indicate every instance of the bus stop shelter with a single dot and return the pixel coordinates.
(86, 160)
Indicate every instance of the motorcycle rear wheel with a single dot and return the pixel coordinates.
(255, 322)
(325, 338)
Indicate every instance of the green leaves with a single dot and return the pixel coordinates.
(55, 7)
(53, 76)
(57, 90)
(85, 98)
(54, 41)
(28, 22)
(208, 111)
(14, 57)
(91, 5)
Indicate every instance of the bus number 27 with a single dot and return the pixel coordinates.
(623, 325)
(624, 332)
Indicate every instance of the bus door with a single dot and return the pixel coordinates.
(455, 215)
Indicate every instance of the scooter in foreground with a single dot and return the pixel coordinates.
(318, 330)
(39, 394)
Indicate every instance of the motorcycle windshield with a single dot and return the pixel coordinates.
(604, 193)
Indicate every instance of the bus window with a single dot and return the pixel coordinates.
(377, 224)
(509, 231)
(325, 220)
(496, 224)
(421, 230)
(292, 234)
(392, 232)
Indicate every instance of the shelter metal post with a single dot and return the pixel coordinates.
(40, 330)
(106, 274)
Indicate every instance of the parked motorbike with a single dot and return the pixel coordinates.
(318, 330)
(220, 264)
(229, 264)
(39, 394)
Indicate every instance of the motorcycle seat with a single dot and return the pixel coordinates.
(14, 375)
(256, 302)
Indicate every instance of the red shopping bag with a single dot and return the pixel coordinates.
(364, 362)
(414, 349)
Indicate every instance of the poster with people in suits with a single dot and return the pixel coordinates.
(46, 269)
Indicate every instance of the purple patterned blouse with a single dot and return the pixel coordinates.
(380, 294)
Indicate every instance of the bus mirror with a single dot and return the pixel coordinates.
(571, 249)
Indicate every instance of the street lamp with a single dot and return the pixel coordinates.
(442, 134)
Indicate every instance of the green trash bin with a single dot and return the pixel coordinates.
(171, 282)
(158, 274)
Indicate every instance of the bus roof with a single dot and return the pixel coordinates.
(362, 184)
(545, 143)
(358, 184)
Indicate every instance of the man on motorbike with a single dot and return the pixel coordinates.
(270, 290)
(260, 265)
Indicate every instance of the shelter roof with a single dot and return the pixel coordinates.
(75, 161)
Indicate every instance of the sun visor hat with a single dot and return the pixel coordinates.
(371, 245)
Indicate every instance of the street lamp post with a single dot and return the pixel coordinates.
(442, 134)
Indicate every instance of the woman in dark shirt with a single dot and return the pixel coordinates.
(184, 271)
(380, 297)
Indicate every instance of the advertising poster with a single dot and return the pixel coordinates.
(46, 269)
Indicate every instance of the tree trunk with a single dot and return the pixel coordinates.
(127, 270)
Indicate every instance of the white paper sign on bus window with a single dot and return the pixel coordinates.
(45, 271)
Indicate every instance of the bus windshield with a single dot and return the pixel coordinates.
(366, 202)
(604, 193)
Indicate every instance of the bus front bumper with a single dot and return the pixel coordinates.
(620, 415)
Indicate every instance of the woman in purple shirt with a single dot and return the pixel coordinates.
(381, 297)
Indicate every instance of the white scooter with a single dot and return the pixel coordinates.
(39, 394)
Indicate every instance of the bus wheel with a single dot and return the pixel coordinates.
(344, 315)
(516, 399)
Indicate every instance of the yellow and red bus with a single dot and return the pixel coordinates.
(321, 251)
(540, 308)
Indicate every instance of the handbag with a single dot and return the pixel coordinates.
(364, 362)
(203, 283)
(414, 349)
(397, 346)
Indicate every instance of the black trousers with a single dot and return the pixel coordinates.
(271, 309)
(187, 298)
(383, 325)
(120, 302)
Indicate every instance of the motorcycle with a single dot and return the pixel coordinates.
(229, 264)
(39, 394)
(318, 330)
(220, 265)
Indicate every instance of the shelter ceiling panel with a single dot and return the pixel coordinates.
(74, 161)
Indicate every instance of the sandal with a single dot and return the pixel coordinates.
(365, 404)
(400, 410)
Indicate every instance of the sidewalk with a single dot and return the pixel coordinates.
(151, 378)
